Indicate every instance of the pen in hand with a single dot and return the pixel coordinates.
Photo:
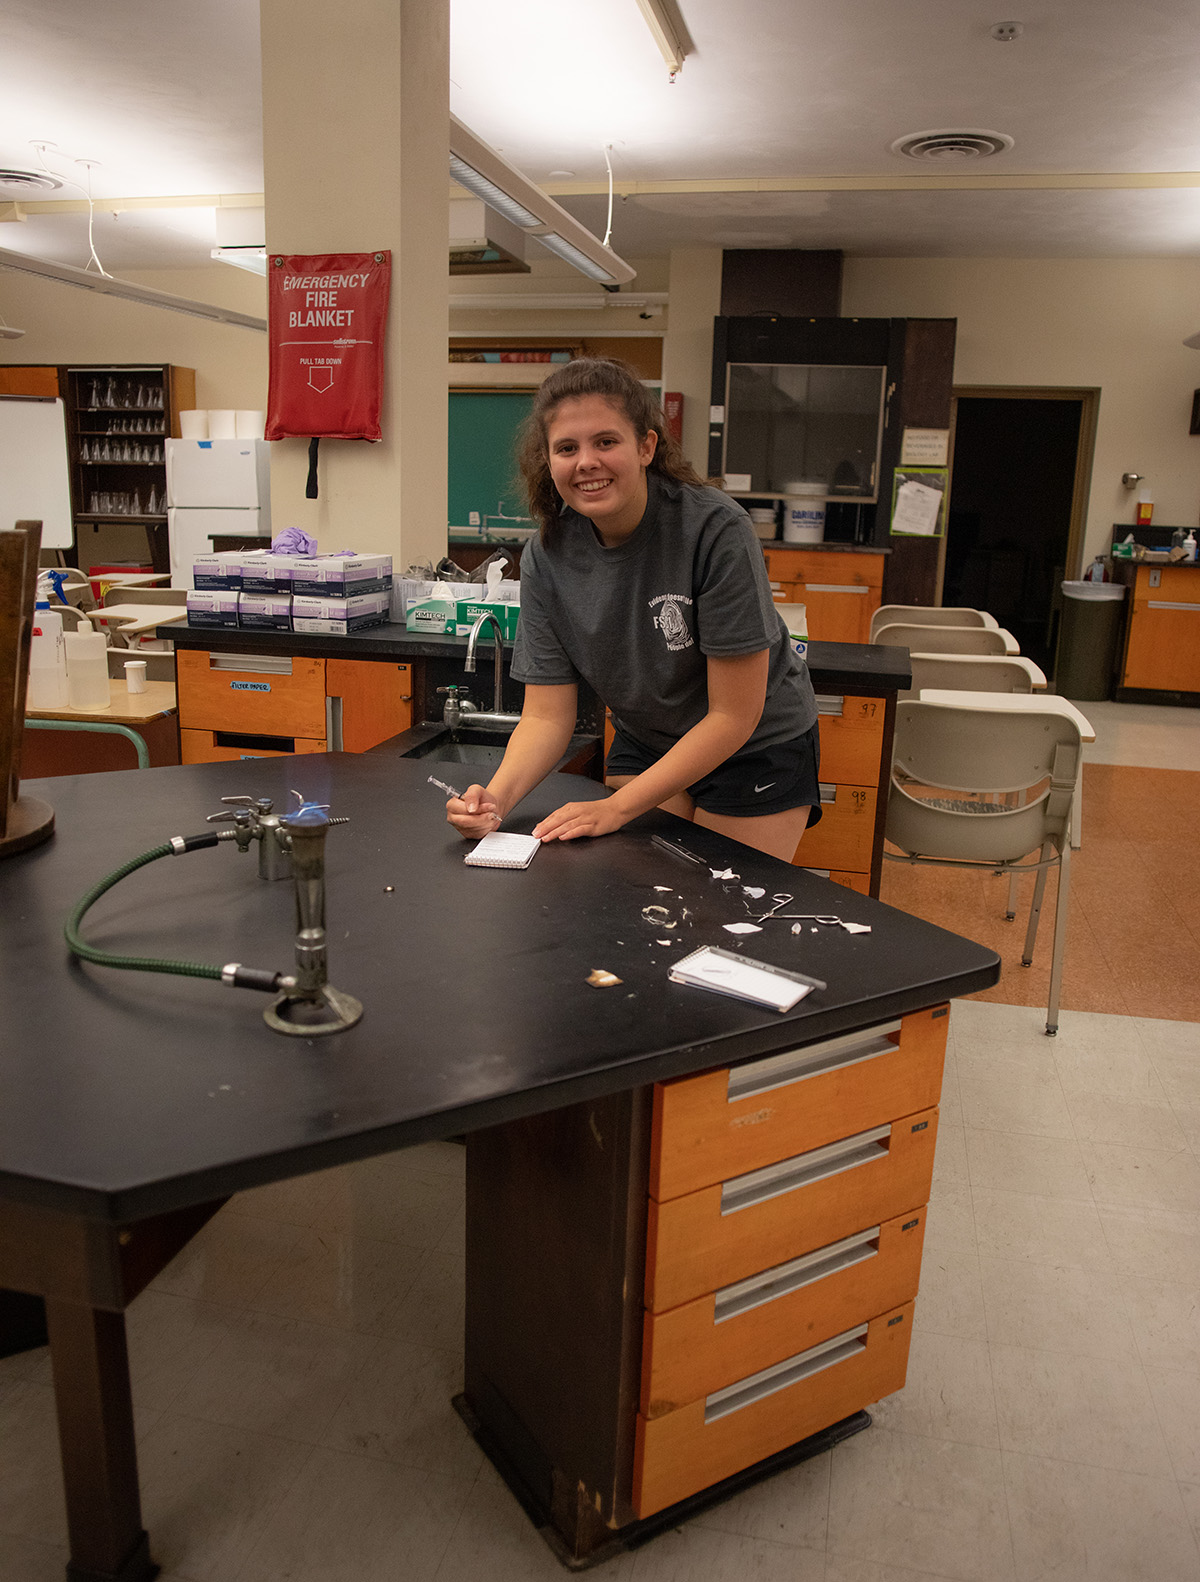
(451, 792)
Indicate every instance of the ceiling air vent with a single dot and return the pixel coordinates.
(29, 180)
(948, 146)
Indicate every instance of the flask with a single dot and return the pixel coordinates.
(47, 654)
(87, 669)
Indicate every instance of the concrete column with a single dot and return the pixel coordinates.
(355, 158)
(695, 289)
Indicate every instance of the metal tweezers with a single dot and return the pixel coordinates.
(677, 850)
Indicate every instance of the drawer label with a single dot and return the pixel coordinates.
(942, 1010)
(920, 1126)
(899, 1319)
(911, 1223)
(250, 686)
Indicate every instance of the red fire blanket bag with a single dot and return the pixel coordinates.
(326, 324)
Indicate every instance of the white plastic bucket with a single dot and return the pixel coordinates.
(804, 514)
(194, 424)
(249, 425)
(222, 423)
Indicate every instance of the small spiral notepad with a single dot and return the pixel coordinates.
(501, 850)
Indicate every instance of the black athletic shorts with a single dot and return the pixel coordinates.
(754, 781)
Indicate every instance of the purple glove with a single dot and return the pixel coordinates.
(294, 541)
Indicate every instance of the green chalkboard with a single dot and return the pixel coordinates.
(483, 466)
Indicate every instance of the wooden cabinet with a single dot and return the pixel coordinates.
(252, 705)
(1162, 643)
(119, 417)
(847, 843)
(785, 1224)
(839, 589)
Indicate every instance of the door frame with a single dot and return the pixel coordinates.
(1089, 411)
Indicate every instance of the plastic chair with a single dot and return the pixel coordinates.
(929, 615)
(942, 639)
(971, 673)
(983, 753)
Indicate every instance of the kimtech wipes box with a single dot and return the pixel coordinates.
(212, 607)
(468, 611)
(333, 576)
(347, 613)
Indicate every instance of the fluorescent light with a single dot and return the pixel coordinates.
(488, 175)
(106, 285)
(645, 302)
(252, 258)
(663, 30)
(480, 187)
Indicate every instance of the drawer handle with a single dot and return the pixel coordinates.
(264, 664)
(830, 705)
(828, 792)
(836, 587)
(759, 1385)
(795, 1065)
(789, 1175)
(734, 1300)
(1170, 604)
(333, 725)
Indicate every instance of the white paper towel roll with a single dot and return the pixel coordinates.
(222, 423)
(193, 425)
(249, 425)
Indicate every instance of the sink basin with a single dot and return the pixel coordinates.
(485, 747)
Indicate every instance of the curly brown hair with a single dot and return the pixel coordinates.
(620, 385)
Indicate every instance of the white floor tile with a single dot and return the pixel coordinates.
(1090, 1524)
(1162, 1178)
(1054, 1307)
(693, 1555)
(950, 1301)
(947, 1394)
(1166, 1319)
(1043, 1229)
(1046, 1166)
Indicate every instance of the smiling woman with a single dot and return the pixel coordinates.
(652, 588)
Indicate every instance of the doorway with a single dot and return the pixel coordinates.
(1022, 469)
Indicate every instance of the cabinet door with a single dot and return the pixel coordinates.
(376, 700)
(29, 382)
(1163, 651)
(837, 612)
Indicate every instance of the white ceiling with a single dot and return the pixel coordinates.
(800, 92)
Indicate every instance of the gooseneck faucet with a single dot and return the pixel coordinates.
(496, 717)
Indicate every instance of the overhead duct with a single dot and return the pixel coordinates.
(483, 242)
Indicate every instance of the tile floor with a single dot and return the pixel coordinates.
(293, 1367)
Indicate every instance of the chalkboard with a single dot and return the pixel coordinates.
(483, 456)
(34, 479)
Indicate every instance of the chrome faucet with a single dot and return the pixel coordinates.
(497, 715)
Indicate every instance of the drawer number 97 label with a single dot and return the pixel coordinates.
(250, 686)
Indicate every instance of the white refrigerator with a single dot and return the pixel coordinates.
(215, 488)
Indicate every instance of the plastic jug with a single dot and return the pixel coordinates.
(87, 669)
(47, 687)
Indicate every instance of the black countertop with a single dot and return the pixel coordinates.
(866, 666)
(126, 1094)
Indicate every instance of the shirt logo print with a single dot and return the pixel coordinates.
(671, 621)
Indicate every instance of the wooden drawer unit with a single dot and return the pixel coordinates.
(851, 731)
(750, 1222)
(212, 747)
(690, 1449)
(709, 1343)
(1162, 646)
(727, 1122)
(373, 699)
(258, 695)
(845, 836)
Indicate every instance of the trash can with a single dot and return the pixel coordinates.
(1087, 640)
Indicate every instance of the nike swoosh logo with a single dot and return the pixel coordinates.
(767, 787)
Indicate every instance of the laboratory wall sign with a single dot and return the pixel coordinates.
(326, 323)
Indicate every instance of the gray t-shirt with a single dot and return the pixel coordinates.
(637, 622)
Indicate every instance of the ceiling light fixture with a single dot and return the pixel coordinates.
(488, 175)
(663, 30)
(126, 290)
(9, 333)
(253, 259)
(649, 304)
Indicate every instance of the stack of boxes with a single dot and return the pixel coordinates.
(255, 590)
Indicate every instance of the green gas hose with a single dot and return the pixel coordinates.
(234, 974)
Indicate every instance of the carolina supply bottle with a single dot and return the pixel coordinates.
(87, 669)
(47, 654)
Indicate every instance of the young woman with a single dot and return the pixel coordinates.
(652, 588)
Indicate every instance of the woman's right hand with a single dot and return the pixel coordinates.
(474, 814)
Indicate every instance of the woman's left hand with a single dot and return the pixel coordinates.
(581, 818)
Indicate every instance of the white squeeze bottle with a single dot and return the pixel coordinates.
(47, 654)
(87, 669)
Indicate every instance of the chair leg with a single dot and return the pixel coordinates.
(1011, 910)
(1060, 937)
(1035, 909)
(1077, 813)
